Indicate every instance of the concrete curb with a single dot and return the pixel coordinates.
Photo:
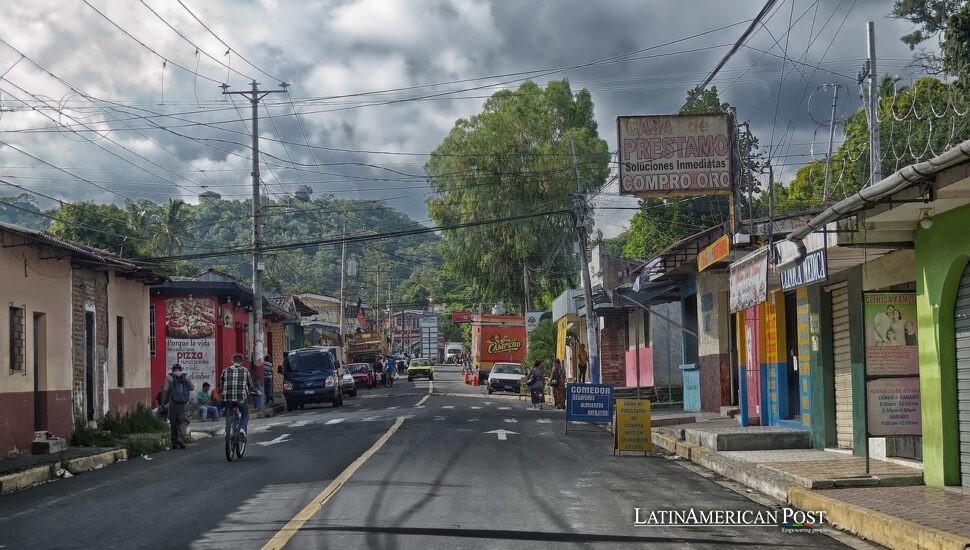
(880, 528)
(42, 474)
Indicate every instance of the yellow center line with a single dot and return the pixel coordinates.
(284, 535)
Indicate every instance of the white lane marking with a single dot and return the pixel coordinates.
(502, 434)
(306, 413)
(371, 419)
(335, 421)
(439, 418)
(475, 408)
(390, 408)
(505, 408)
(486, 403)
(473, 419)
(448, 407)
(280, 439)
(544, 421)
(511, 420)
(300, 423)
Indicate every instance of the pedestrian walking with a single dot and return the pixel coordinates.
(268, 378)
(582, 360)
(536, 382)
(177, 390)
(558, 383)
(389, 369)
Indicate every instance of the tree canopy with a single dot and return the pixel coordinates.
(515, 157)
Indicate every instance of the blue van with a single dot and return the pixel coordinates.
(310, 375)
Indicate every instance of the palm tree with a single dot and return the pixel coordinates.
(171, 226)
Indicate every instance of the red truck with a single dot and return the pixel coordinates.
(496, 339)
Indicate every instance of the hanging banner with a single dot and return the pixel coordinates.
(890, 322)
(893, 406)
(749, 280)
(664, 155)
(717, 251)
(813, 268)
(190, 337)
(532, 320)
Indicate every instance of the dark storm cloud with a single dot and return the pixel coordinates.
(327, 49)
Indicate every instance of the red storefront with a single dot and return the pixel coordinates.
(201, 324)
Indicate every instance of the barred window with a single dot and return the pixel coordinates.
(151, 330)
(18, 339)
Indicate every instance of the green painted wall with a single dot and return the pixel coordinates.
(823, 369)
(941, 255)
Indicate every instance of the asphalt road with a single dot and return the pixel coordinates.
(443, 479)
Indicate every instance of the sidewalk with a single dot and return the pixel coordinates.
(23, 471)
(890, 507)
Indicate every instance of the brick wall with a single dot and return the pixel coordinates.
(613, 350)
(88, 288)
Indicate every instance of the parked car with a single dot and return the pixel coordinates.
(420, 367)
(506, 377)
(348, 386)
(310, 375)
(363, 375)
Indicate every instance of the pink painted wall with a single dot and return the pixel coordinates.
(646, 367)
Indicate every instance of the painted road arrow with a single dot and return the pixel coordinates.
(280, 439)
(502, 434)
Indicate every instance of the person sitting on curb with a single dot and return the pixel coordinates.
(207, 405)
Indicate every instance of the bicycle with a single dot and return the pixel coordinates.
(234, 445)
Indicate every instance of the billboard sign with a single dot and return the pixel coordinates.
(190, 337)
(461, 317)
(893, 406)
(664, 155)
(632, 432)
(717, 251)
(589, 403)
(502, 343)
(891, 348)
(813, 268)
(749, 280)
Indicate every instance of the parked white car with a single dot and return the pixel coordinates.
(506, 377)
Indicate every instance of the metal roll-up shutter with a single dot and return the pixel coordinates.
(842, 366)
(961, 313)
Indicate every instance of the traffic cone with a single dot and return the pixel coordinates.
(466, 376)
(475, 381)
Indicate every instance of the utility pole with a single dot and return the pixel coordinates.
(343, 276)
(875, 166)
(826, 188)
(592, 323)
(525, 285)
(254, 95)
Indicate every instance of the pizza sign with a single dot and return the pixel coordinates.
(190, 329)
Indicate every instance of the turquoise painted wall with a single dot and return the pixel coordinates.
(941, 255)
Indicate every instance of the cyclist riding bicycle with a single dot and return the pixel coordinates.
(236, 384)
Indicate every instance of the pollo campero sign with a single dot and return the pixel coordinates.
(666, 155)
(503, 344)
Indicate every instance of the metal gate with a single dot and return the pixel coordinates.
(842, 365)
(961, 313)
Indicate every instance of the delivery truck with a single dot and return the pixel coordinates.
(496, 339)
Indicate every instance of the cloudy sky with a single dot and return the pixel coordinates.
(125, 103)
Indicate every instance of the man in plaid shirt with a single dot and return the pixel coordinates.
(236, 383)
